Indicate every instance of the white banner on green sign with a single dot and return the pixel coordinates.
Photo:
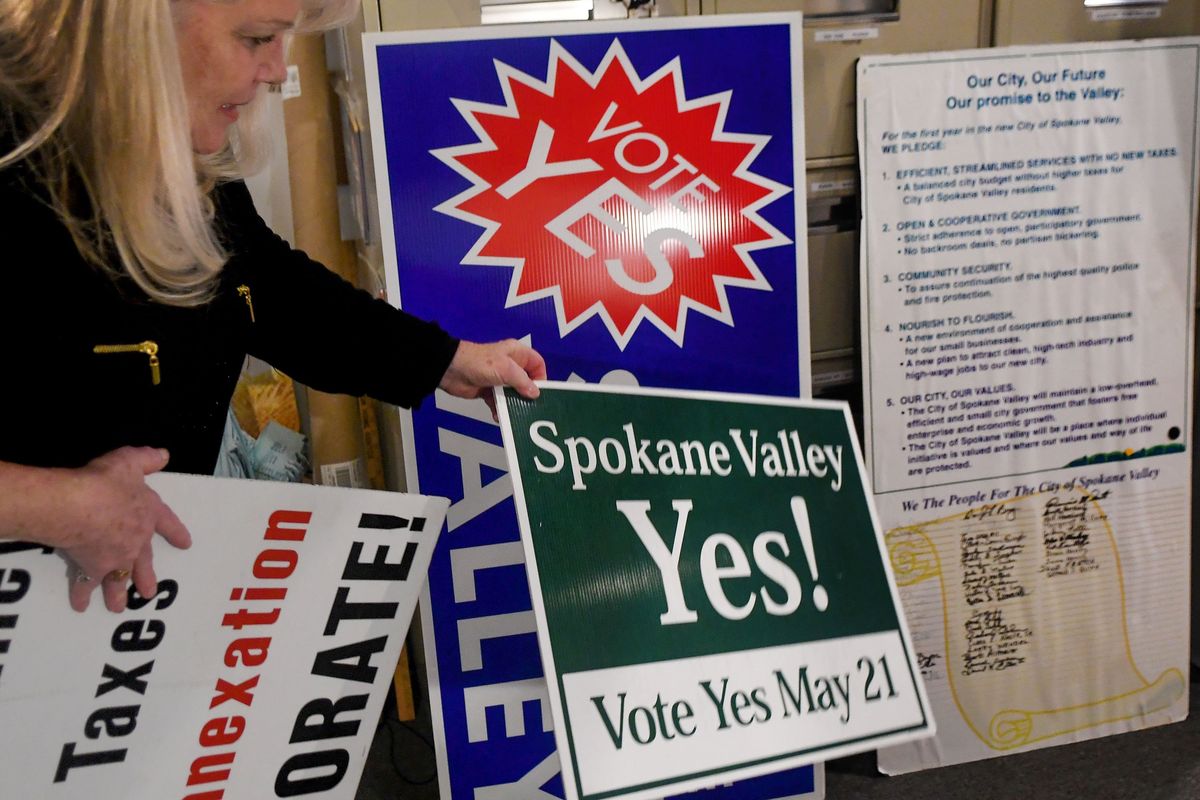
(712, 595)
(1029, 249)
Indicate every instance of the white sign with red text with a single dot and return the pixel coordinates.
(257, 670)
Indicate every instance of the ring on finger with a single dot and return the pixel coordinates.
(117, 575)
(79, 576)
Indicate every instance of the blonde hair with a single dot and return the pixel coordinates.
(94, 98)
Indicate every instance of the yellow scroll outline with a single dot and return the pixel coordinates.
(911, 570)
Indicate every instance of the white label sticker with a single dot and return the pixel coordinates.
(291, 86)
(1114, 14)
(831, 186)
(822, 380)
(348, 474)
(846, 34)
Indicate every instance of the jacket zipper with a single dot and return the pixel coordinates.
(244, 291)
(148, 347)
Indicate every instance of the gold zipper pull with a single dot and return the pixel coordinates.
(151, 350)
(244, 291)
(148, 347)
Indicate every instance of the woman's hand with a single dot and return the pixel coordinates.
(476, 368)
(101, 517)
(120, 515)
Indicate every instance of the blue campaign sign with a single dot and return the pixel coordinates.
(623, 199)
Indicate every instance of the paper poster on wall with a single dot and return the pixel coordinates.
(626, 203)
(258, 669)
(1029, 248)
(712, 592)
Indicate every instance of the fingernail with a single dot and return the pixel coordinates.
(163, 454)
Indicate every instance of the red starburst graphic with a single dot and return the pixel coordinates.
(614, 195)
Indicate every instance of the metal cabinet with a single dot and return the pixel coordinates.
(838, 32)
(1053, 21)
(833, 214)
(410, 15)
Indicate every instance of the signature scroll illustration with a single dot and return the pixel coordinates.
(1033, 602)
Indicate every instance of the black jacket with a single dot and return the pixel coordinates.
(61, 404)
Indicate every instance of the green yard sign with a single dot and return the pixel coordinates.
(712, 593)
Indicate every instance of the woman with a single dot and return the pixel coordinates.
(138, 275)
